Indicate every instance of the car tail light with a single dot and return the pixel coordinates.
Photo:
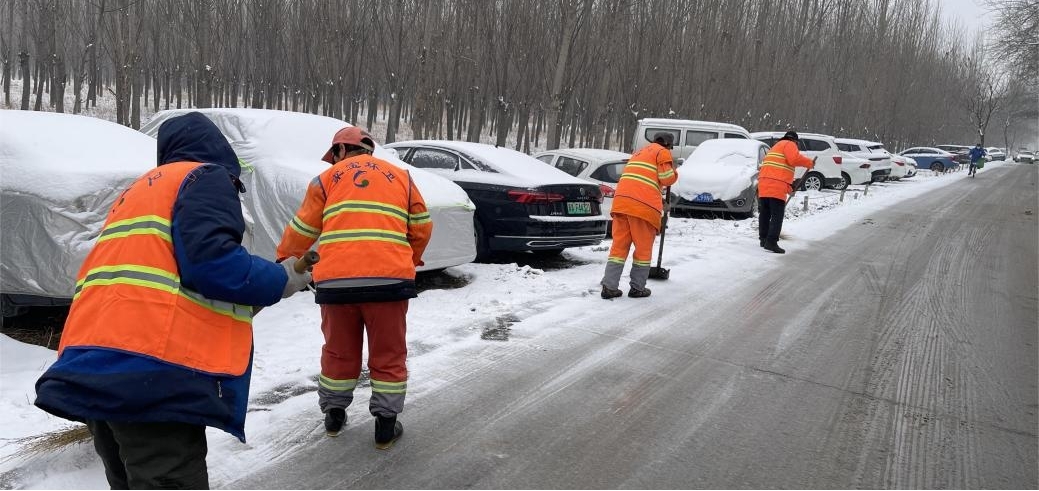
(607, 192)
(837, 159)
(527, 196)
(901, 163)
(864, 166)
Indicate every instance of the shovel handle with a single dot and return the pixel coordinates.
(309, 259)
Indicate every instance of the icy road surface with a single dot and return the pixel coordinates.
(897, 353)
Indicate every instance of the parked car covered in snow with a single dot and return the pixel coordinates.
(602, 167)
(935, 159)
(827, 170)
(688, 134)
(70, 169)
(281, 153)
(720, 175)
(521, 203)
(902, 167)
(996, 154)
(879, 158)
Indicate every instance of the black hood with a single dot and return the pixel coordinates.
(194, 138)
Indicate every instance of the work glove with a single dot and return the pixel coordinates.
(297, 281)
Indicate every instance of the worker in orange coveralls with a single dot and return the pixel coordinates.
(775, 181)
(637, 210)
(371, 226)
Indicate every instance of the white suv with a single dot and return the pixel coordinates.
(880, 159)
(688, 134)
(827, 170)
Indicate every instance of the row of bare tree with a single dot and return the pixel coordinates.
(542, 73)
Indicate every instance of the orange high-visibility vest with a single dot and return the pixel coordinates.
(368, 219)
(777, 170)
(640, 184)
(129, 296)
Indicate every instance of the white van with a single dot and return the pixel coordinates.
(687, 133)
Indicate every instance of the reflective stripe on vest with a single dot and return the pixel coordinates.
(775, 166)
(389, 387)
(642, 172)
(129, 294)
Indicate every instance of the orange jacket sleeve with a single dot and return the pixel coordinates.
(795, 158)
(666, 172)
(304, 228)
(420, 225)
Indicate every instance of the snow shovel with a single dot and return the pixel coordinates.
(309, 259)
(657, 272)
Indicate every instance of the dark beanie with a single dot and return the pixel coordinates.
(790, 135)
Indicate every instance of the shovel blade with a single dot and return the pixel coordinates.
(658, 273)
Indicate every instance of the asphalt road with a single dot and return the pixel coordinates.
(914, 366)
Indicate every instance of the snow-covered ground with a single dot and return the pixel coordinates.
(503, 304)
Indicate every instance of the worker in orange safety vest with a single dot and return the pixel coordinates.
(371, 226)
(775, 183)
(637, 210)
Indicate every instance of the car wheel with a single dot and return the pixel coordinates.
(936, 167)
(812, 182)
(483, 247)
(845, 181)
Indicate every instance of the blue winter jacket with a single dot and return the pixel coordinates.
(976, 153)
(207, 227)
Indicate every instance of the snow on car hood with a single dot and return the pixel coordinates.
(723, 168)
(514, 168)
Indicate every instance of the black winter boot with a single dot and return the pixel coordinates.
(335, 419)
(608, 293)
(761, 242)
(774, 247)
(636, 293)
(387, 431)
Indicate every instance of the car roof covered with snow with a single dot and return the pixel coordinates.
(283, 149)
(594, 154)
(721, 167)
(512, 167)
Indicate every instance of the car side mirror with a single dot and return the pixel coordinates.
(679, 162)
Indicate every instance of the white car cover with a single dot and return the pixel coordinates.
(281, 153)
(59, 174)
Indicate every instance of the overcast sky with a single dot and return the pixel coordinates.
(969, 13)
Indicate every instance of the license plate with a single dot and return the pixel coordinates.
(703, 198)
(578, 208)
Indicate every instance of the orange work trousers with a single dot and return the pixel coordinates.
(628, 229)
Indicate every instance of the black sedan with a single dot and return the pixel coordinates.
(521, 204)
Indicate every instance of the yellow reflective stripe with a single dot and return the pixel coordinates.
(421, 218)
(304, 229)
(642, 179)
(337, 385)
(636, 262)
(360, 206)
(666, 175)
(158, 279)
(389, 387)
(362, 234)
(643, 165)
(615, 259)
(143, 225)
(777, 165)
(776, 154)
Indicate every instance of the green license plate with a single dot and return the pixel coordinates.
(579, 208)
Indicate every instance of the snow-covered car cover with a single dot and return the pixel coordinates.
(59, 174)
(281, 153)
(722, 167)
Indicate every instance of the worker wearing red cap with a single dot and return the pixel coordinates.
(371, 227)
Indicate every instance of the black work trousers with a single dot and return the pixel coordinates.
(152, 455)
(770, 219)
